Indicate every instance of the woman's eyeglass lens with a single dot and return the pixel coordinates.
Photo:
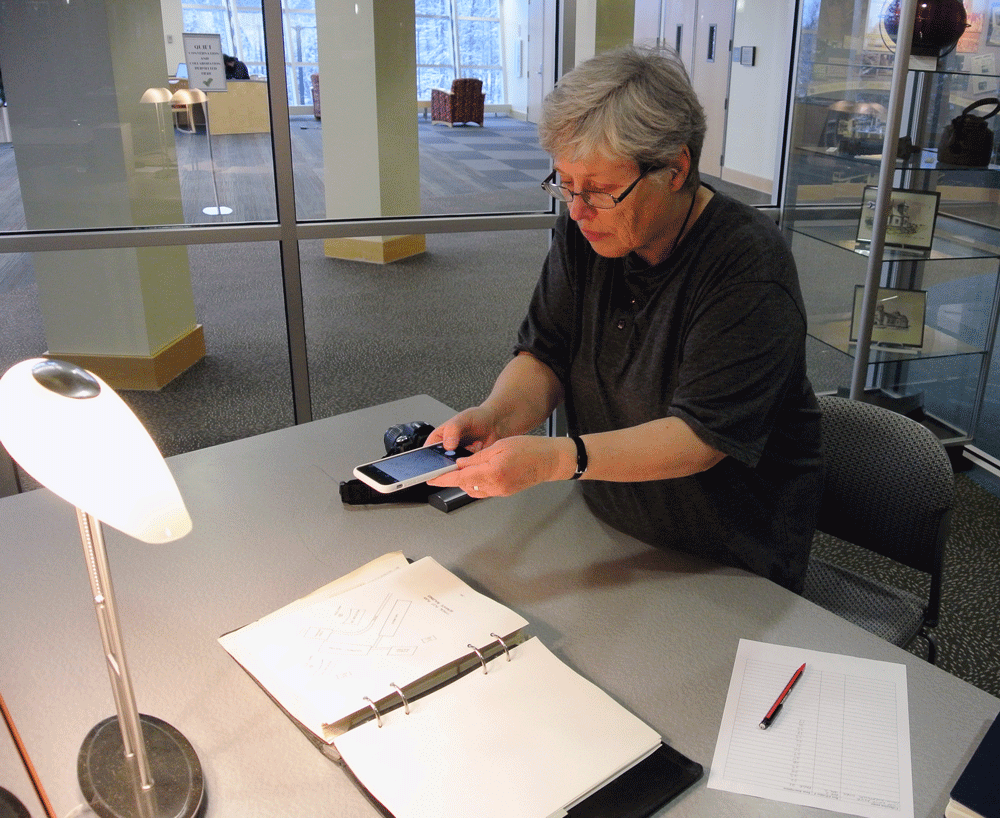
(591, 198)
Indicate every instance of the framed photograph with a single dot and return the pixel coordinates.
(912, 216)
(899, 317)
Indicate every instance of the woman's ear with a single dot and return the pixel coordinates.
(681, 167)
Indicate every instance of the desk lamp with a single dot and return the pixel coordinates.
(194, 96)
(76, 436)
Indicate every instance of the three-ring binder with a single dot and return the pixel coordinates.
(503, 644)
(482, 658)
(399, 690)
(406, 702)
(378, 716)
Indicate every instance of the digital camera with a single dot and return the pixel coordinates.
(406, 436)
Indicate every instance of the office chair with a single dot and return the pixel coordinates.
(466, 102)
(889, 488)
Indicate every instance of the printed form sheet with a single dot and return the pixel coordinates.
(841, 741)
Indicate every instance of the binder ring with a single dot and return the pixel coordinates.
(378, 716)
(482, 659)
(502, 644)
(399, 690)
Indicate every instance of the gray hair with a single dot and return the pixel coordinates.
(632, 103)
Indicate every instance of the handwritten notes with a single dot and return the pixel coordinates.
(322, 655)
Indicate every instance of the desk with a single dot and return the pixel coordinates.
(241, 108)
(657, 630)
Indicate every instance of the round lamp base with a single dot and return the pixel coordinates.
(109, 781)
(10, 807)
(222, 210)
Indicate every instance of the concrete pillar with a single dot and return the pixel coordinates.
(602, 25)
(371, 157)
(89, 154)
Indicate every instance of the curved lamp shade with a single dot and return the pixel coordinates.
(155, 95)
(71, 432)
(189, 96)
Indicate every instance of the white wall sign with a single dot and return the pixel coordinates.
(203, 54)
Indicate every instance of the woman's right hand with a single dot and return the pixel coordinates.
(475, 429)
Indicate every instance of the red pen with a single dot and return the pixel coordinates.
(766, 721)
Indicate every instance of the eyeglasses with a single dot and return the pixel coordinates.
(591, 198)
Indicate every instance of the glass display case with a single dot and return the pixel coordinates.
(937, 272)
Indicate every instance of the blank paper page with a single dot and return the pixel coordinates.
(526, 739)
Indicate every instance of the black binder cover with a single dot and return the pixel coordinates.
(642, 789)
(976, 788)
(637, 793)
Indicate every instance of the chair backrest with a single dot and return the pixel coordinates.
(889, 484)
(465, 87)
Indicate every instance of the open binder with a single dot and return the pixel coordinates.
(438, 705)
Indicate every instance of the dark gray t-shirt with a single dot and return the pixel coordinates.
(715, 336)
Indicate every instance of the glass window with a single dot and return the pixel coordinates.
(301, 55)
(204, 21)
(97, 158)
(229, 294)
(251, 39)
(440, 7)
(478, 8)
(434, 41)
(479, 42)
(376, 338)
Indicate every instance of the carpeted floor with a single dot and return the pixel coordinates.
(441, 323)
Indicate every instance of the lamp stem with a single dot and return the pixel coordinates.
(99, 572)
(211, 162)
(161, 132)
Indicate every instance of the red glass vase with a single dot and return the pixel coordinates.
(937, 27)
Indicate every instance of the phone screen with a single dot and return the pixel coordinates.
(413, 464)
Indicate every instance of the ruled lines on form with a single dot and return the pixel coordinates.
(840, 742)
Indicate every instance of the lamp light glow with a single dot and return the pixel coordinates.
(92, 451)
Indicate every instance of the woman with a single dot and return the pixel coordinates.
(668, 319)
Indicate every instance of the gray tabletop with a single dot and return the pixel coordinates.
(658, 631)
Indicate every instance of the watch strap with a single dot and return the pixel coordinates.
(581, 457)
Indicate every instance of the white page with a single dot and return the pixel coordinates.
(527, 739)
(841, 741)
(369, 572)
(320, 659)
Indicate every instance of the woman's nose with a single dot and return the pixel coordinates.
(579, 209)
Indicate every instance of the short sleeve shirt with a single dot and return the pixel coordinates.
(714, 335)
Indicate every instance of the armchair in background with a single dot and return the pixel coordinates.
(464, 103)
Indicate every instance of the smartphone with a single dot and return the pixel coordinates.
(409, 468)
